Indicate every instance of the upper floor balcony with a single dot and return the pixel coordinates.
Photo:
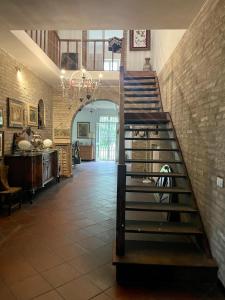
(70, 50)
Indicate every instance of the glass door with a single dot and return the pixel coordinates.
(106, 140)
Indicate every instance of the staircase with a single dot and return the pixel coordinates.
(159, 235)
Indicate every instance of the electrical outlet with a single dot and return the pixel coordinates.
(219, 182)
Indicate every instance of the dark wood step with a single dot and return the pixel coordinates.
(141, 95)
(152, 89)
(154, 263)
(135, 226)
(141, 108)
(159, 207)
(155, 174)
(155, 189)
(151, 149)
(148, 129)
(141, 102)
(144, 83)
(149, 139)
(145, 121)
(139, 77)
(153, 161)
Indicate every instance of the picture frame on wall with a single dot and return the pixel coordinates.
(83, 130)
(1, 144)
(15, 113)
(139, 40)
(32, 115)
(1, 117)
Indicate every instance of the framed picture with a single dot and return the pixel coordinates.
(83, 130)
(15, 113)
(1, 116)
(1, 144)
(139, 40)
(61, 133)
(32, 115)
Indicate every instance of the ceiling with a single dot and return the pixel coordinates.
(97, 14)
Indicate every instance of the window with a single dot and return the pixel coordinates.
(105, 119)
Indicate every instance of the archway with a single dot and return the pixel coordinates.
(94, 126)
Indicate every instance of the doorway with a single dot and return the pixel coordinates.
(98, 139)
(106, 139)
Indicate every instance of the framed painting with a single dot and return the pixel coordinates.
(32, 115)
(61, 133)
(83, 130)
(1, 117)
(15, 113)
(1, 144)
(139, 40)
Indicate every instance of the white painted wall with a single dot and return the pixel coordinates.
(163, 44)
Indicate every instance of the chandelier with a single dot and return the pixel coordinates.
(80, 85)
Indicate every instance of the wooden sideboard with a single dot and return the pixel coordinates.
(86, 152)
(33, 170)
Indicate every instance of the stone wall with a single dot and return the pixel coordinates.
(27, 88)
(193, 89)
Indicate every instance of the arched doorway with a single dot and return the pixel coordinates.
(95, 127)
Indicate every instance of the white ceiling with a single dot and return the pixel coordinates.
(97, 14)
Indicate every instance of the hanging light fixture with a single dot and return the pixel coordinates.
(80, 85)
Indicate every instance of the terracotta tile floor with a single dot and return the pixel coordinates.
(60, 246)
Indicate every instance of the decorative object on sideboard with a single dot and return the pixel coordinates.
(1, 117)
(147, 65)
(47, 143)
(1, 144)
(139, 40)
(24, 145)
(32, 115)
(15, 113)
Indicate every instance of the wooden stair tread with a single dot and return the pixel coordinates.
(144, 83)
(141, 89)
(129, 77)
(142, 109)
(145, 121)
(142, 101)
(163, 254)
(159, 207)
(148, 129)
(155, 174)
(155, 189)
(151, 149)
(161, 227)
(149, 95)
(150, 138)
(153, 161)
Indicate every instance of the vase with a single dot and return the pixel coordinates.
(147, 66)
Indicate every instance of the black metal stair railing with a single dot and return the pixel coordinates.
(121, 176)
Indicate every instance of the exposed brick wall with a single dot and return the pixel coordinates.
(193, 90)
(30, 89)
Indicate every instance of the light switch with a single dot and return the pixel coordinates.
(219, 182)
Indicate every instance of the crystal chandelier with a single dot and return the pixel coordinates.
(80, 85)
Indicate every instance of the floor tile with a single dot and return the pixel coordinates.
(80, 289)
(53, 295)
(30, 287)
(60, 275)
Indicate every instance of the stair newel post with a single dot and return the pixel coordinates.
(121, 177)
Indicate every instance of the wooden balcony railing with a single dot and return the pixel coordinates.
(71, 54)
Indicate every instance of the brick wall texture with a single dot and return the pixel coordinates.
(30, 89)
(193, 89)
